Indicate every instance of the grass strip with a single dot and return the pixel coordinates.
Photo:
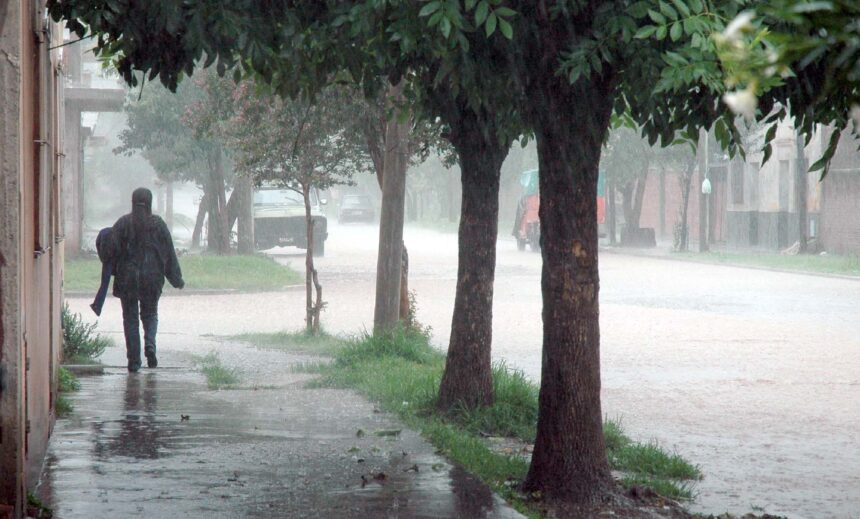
(847, 265)
(218, 376)
(401, 372)
(200, 271)
(293, 342)
(66, 383)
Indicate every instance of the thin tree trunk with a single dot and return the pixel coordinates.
(245, 210)
(569, 462)
(468, 376)
(800, 194)
(610, 191)
(703, 198)
(168, 214)
(198, 223)
(221, 190)
(685, 183)
(312, 309)
(390, 258)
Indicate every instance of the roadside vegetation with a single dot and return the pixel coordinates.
(401, 372)
(218, 376)
(201, 272)
(67, 383)
(813, 263)
(81, 343)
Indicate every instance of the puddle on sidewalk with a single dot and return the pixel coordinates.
(160, 444)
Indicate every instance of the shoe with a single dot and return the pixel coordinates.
(151, 361)
(134, 367)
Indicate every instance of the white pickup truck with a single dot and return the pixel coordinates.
(279, 219)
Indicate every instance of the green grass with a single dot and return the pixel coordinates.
(218, 376)
(813, 263)
(293, 342)
(63, 406)
(401, 372)
(200, 272)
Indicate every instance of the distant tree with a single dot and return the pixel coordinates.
(158, 129)
(301, 145)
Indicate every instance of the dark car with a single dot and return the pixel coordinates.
(356, 208)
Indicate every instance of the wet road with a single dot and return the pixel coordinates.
(753, 375)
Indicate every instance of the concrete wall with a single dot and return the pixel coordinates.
(30, 247)
(840, 203)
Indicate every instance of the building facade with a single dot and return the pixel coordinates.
(31, 243)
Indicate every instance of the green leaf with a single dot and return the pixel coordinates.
(696, 5)
(481, 13)
(667, 10)
(675, 31)
(491, 24)
(656, 17)
(682, 7)
(445, 26)
(505, 12)
(506, 28)
(661, 32)
(645, 32)
(470, 4)
(430, 8)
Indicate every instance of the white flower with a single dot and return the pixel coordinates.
(742, 102)
(855, 116)
(741, 24)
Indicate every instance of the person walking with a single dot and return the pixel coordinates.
(144, 257)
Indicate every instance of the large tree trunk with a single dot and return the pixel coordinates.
(376, 150)
(215, 194)
(468, 376)
(386, 313)
(569, 462)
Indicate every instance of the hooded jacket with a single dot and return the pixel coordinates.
(144, 256)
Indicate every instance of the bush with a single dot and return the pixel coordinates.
(67, 381)
(81, 343)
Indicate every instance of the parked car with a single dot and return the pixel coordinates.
(356, 208)
(279, 219)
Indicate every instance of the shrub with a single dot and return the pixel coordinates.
(80, 340)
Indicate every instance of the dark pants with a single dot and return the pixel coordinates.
(99, 301)
(147, 313)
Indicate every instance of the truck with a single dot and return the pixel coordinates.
(279, 219)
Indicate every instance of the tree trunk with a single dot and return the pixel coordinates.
(800, 195)
(683, 230)
(610, 192)
(569, 461)
(662, 202)
(312, 309)
(168, 215)
(218, 232)
(244, 192)
(641, 184)
(386, 313)
(703, 198)
(198, 223)
(468, 376)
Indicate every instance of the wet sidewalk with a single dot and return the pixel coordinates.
(159, 443)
